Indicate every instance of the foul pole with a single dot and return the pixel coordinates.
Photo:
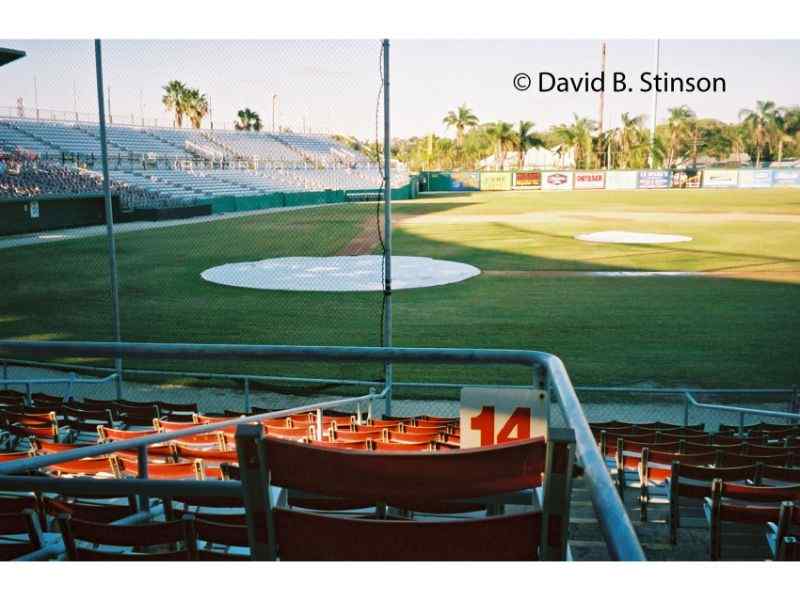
(112, 247)
(387, 227)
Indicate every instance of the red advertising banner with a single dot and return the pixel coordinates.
(528, 179)
(590, 180)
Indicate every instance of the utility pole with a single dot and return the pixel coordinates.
(141, 105)
(651, 159)
(75, 99)
(110, 116)
(274, 112)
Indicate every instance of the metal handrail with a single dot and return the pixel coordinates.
(617, 529)
(741, 410)
(69, 381)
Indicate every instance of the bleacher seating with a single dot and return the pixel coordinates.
(736, 474)
(162, 167)
(341, 473)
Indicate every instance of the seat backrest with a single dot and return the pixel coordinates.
(100, 512)
(214, 532)
(15, 523)
(402, 476)
(137, 536)
(309, 536)
(780, 474)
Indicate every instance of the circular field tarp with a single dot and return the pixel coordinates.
(338, 273)
(631, 237)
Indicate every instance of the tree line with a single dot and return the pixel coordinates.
(765, 133)
(184, 101)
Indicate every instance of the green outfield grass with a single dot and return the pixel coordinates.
(738, 327)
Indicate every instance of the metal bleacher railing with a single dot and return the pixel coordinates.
(547, 371)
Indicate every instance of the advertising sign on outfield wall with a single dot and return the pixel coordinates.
(590, 180)
(466, 181)
(496, 181)
(720, 178)
(786, 177)
(527, 180)
(621, 180)
(681, 179)
(653, 180)
(557, 180)
(755, 178)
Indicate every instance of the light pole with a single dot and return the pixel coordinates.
(651, 160)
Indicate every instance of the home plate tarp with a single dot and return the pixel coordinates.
(631, 237)
(338, 273)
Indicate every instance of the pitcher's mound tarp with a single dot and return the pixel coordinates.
(339, 273)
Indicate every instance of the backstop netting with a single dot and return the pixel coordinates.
(247, 193)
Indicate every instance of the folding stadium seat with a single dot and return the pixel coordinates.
(341, 444)
(381, 446)
(207, 533)
(433, 429)
(339, 435)
(47, 401)
(136, 416)
(193, 469)
(743, 504)
(99, 512)
(38, 424)
(413, 477)
(694, 482)
(87, 540)
(655, 468)
(290, 433)
(212, 457)
(83, 424)
(177, 412)
(101, 466)
(19, 533)
(512, 537)
(772, 475)
(389, 422)
(782, 536)
(377, 428)
(395, 437)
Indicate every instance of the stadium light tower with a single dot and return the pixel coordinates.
(652, 159)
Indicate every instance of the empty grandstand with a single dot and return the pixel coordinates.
(175, 167)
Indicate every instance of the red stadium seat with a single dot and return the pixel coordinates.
(18, 524)
(743, 504)
(130, 539)
(782, 536)
(309, 536)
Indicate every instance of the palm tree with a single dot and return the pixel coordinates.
(174, 100)
(462, 119)
(249, 120)
(196, 107)
(526, 139)
(577, 137)
(786, 126)
(633, 144)
(503, 136)
(678, 125)
(760, 123)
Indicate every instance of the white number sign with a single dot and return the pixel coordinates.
(496, 415)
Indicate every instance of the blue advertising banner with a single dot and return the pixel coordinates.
(755, 178)
(783, 177)
(649, 180)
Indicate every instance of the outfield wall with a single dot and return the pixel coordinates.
(616, 179)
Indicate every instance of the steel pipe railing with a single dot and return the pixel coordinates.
(547, 371)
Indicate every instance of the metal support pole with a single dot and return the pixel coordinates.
(387, 228)
(141, 462)
(112, 250)
(255, 491)
(686, 410)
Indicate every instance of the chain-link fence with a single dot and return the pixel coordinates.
(247, 184)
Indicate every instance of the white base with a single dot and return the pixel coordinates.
(338, 273)
(631, 237)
